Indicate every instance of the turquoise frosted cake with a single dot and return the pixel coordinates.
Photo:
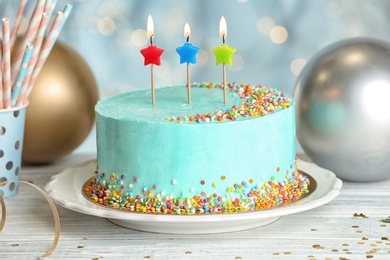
(198, 158)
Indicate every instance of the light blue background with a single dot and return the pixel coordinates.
(107, 33)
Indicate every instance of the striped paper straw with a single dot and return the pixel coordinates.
(34, 58)
(18, 19)
(67, 9)
(47, 7)
(28, 37)
(22, 72)
(52, 7)
(45, 51)
(1, 77)
(6, 64)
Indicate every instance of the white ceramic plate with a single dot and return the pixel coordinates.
(65, 189)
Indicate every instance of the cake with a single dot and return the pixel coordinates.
(205, 157)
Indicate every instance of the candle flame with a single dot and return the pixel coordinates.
(187, 30)
(150, 27)
(222, 28)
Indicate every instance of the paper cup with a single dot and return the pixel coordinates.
(11, 145)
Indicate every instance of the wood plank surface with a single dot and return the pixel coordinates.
(353, 226)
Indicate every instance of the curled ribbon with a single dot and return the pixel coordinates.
(53, 209)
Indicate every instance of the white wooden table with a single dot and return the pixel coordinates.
(328, 232)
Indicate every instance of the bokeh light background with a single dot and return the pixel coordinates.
(274, 38)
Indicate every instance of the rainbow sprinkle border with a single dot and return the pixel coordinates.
(270, 194)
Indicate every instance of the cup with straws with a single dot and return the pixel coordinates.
(17, 77)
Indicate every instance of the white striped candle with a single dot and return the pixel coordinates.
(22, 72)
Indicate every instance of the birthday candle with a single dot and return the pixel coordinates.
(152, 53)
(223, 54)
(187, 54)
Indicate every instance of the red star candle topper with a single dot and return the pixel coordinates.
(223, 54)
(187, 54)
(152, 53)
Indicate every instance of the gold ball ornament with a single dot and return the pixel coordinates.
(61, 112)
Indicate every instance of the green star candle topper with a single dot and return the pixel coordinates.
(223, 54)
(187, 54)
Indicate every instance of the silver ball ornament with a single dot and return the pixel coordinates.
(343, 109)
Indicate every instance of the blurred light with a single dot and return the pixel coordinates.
(92, 24)
(355, 58)
(332, 10)
(238, 63)
(163, 69)
(375, 100)
(138, 38)
(124, 41)
(278, 34)
(107, 9)
(265, 24)
(297, 66)
(106, 26)
(202, 58)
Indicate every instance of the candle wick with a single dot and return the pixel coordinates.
(223, 39)
(151, 40)
(188, 38)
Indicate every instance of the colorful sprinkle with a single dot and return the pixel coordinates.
(239, 197)
(257, 101)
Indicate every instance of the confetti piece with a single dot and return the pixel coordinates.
(361, 215)
(318, 247)
(386, 220)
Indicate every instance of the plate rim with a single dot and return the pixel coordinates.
(317, 198)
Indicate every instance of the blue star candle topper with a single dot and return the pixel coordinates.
(187, 54)
(223, 54)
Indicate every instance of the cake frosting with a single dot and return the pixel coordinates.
(206, 156)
